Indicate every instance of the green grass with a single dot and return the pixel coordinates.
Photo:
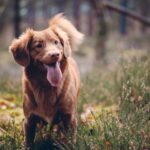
(126, 128)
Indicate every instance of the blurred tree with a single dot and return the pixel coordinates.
(60, 5)
(87, 18)
(123, 19)
(5, 5)
(31, 13)
(17, 17)
(144, 9)
(91, 17)
(101, 30)
(76, 13)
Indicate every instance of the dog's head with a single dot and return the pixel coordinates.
(49, 46)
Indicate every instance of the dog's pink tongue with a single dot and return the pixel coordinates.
(54, 75)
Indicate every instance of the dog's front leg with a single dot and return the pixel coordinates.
(29, 131)
(70, 126)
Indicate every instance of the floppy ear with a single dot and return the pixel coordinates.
(20, 48)
(64, 40)
(75, 37)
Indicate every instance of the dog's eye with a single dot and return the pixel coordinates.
(56, 42)
(39, 45)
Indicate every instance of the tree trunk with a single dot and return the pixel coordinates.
(144, 8)
(31, 13)
(90, 16)
(17, 17)
(60, 5)
(123, 18)
(101, 37)
(101, 31)
(76, 13)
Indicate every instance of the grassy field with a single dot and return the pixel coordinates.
(113, 111)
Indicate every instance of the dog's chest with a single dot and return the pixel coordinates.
(46, 100)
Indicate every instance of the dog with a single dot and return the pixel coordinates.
(51, 80)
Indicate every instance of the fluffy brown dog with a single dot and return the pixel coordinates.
(50, 79)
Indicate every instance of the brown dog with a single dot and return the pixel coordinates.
(50, 79)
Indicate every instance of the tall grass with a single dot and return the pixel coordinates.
(128, 87)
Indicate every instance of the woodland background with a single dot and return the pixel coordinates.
(114, 104)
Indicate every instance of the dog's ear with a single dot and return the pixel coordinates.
(64, 41)
(75, 37)
(20, 48)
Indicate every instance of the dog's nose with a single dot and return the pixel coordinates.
(54, 55)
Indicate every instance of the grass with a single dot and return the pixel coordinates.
(126, 127)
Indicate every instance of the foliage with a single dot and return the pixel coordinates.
(114, 113)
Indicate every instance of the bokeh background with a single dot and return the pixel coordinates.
(107, 32)
(114, 102)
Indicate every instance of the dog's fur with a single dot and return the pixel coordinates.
(42, 100)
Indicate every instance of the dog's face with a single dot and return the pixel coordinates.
(48, 47)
